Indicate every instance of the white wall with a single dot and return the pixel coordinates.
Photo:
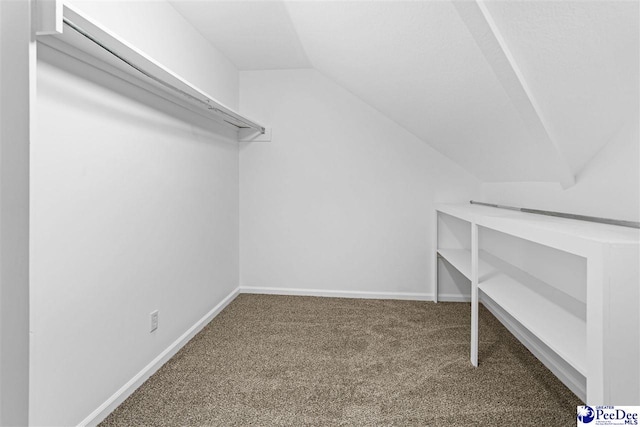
(342, 198)
(17, 56)
(157, 29)
(608, 186)
(134, 208)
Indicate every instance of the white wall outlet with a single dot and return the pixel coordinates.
(154, 320)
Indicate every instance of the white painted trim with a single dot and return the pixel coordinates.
(416, 296)
(17, 129)
(434, 257)
(126, 390)
(454, 298)
(49, 17)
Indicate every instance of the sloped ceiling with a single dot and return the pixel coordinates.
(254, 35)
(511, 91)
(580, 60)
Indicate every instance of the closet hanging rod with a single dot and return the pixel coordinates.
(246, 124)
(620, 222)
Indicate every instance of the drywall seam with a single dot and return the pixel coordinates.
(293, 26)
(126, 390)
(597, 154)
(211, 45)
(295, 32)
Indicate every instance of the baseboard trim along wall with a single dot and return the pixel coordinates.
(126, 390)
(454, 298)
(132, 385)
(417, 296)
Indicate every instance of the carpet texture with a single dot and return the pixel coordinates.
(293, 361)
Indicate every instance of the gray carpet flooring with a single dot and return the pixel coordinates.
(293, 361)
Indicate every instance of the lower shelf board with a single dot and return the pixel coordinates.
(461, 260)
(559, 329)
(554, 318)
(570, 377)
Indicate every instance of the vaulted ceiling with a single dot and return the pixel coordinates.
(510, 90)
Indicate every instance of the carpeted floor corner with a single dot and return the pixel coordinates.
(293, 361)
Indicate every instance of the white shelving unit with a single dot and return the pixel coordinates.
(67, 30)
(559, 329)
(593, 347)
(461, 260)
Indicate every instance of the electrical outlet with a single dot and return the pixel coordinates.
(154, 320)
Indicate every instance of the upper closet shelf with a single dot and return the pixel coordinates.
(546, 230)
(68, 30)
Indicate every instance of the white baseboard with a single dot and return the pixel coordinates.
(336, 294)
(126, 390)
(454, 298)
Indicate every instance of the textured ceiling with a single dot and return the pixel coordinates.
(580, 59)
(254, 35)
(512, 91)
